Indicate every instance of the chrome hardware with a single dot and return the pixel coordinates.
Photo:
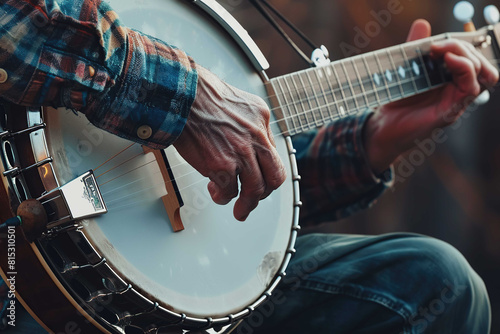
(77, 199)
(8, 134)
(101, 293)
(124, 319)
(71, 267)
(16, 171)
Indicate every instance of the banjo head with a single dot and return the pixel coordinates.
(216, 269)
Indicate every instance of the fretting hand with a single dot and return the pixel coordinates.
(394, 128)
(227, 136)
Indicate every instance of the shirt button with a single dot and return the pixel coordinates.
(3, 76)
(91, 71)
(144, 132)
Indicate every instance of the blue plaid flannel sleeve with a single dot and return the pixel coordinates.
(77, 54)
(336, 178)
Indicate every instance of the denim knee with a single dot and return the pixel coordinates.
(454, 298)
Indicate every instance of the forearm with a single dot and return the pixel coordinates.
(78, 55)
(337, 179)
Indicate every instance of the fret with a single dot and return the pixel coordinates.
(290, 119)
(328, 105)
(357, 84)
(424, 67)
(364, 80)
(390, 76)
(308, 101)
(353, 93)
(318, 105)
(342, 92)
(416, 68)
(409, 71)
(284, 105)
(372, 81)
(336, 98)
(420, 79)
(299, 115)
(442, 77)
(400, 86)
(402, 71)
(387, 88)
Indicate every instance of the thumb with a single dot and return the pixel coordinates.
(419, 29)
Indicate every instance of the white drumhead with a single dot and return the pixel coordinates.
(217, 265)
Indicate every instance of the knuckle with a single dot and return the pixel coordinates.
(245, 150)
(254, 191)
(277, 178)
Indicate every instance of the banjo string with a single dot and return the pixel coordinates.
(149, 188)
(386, 87)
(338, 90)
(114, 156)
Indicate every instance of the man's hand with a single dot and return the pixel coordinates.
(227, 136)
(393, 128)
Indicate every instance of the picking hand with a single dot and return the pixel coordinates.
(393, 129)
(227, 136)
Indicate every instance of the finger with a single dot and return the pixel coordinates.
(488, 75)
(439, 49)
(464, 74)
(252, 188)
(272, 169)
(270, 135)
(419, 29)
(223, 186)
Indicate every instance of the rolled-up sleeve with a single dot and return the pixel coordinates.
(77, 54)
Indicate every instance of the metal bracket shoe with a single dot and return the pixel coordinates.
(77, 199)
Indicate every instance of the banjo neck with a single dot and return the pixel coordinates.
(313, 97)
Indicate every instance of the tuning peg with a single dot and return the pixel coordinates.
(463, 12)
(491, 14)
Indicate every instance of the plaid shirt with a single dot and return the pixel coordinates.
(76, 54)
(337, 180)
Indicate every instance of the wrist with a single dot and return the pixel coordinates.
(379, 150)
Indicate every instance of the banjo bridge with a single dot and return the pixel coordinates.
(171, 200)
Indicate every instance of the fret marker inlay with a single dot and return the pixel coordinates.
(416, 69)
(388, 75)
(342, 111)
(316, 96)
(402, 72)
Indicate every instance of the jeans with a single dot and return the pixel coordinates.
(390, 284)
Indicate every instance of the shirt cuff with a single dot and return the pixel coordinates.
(337, 178)
(151, 100)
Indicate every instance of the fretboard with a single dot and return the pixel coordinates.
(313, 97)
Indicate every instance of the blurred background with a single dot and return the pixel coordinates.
(454, 194)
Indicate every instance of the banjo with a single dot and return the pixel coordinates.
(137, 245)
